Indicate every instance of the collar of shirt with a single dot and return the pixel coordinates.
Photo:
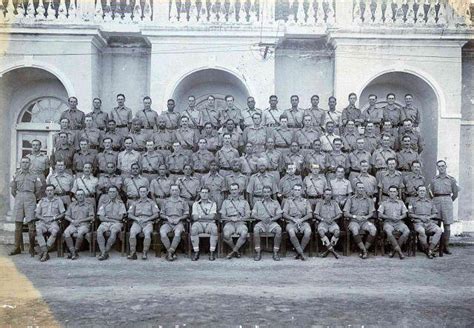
(49, 200)
(327, 202)
(393, 200)
(85, 177)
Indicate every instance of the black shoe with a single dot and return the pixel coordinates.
(325, 253)
(74, 256)
(258, 256)
(102, 257)
(69, 255)
(132, 256)
(195, 256)
(429, 254)
(297, 256)
(447, 251)
(231, 255)
(363, 255)
(175, 257)
(391, 254)
(212, 257)
(144, 256)
(334, 253)
(238, 255)
(400, 255)
(276, 256)
(44, 257)
(169, 256)
(15, 251)
(302, 257)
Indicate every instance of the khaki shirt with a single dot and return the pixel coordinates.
(314, 157)
(192, 115)
(295, 117)
(412, 181)
(374, 115)
(105, 157)
(349, 139)
(371, 142)
(176, 162)
(412, 113)
(188, 137)
(340, 187)
(249, 163)
(161, 186)
(209, 115)
(116, 139)
(100, 119)
(239, 178)
(297, 208)
(163, 138)
(406, 157)
(225, 157)
(82, 157)
(189, 187)
(201, 160)
(151, 161)
(235, 208)
(393, 208)
(109, 180)
(369, 182)
(39, 163)
(213, 139)
(62, 182)
(256, 135)
(65, 154)
(143, 208)
(333, 116)
(318, 116)
(356, 157)
(230, 113)
(388, 179)
(121, 115)
(294, 158)
(139, 139)
(175, 208)
(315, 185)
(392, 114)
(202, 208)
(287, 183)
(327, 141)
(306, 136)
(333, 160)
(131, 185)
(47, 209)
(359, 205)
(283, 137)
(380, 156)
(258, 180)
(274, 159)
(443, 185)
(328, 210)
(93, 135)
(78, 211)
(88, 184)
(126, 158)
(171, 119)
(148, 117)
(350, 113)
(113, 209)
(422, 207)
(25, 182)
(76, 118)
(271, 117)
(215, 182)
(247, 116)
(264, 210)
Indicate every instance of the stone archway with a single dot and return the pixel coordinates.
(424, 98)
(210, 81)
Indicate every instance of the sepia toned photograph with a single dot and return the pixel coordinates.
(236, 163)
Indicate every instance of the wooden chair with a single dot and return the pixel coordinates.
(223, 247)
(58, 246)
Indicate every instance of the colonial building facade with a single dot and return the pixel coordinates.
(172, 49)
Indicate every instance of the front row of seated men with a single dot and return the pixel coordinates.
(235, 214)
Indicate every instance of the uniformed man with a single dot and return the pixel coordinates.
(74, 115)
(63, 152)
(204, 221)
(142, 212)
(226, 155)
(392, 211)
(249, 159)
(49, 210)
(108, 155)
(327, 212)
(210, 133)
(201, 159)
(328, 137)
(147, 116)
(371, 137)
(358, 209)
(289, 180)
(173, 212)
(444, 190)
(267, 212)
(87, 182)
(236, 177)
(369, 181)
(163, 138)
(215, 182)
(79, 215)
(406, 156)
(391, 112)
(350, 136)
(189, 185)
(351, 112)
(247, 114)
(257, 181)
(84, 155)
(210, 114)
(416, 140)
(70, 134)
(271, 115)
(390, 130)
(62, 182)
(316, 113)
(305, 136)
(336, 158)
(187, 137)
(256, 134)
(314, 184)
(99, 117)
(107, 180)
(230, 112)
(39, 161)
(114, 135)
(294, 156)
(90, 133)
(412, 181)
(111, 215)
(390, 177)
(332, 115)
(150, 161)
(373, 114)
(315, 156)
(160, 186)
(410, 112)
(25, 187)
(380, 155)
(230, 128)
(274, 159)
(294, 114)
(356, 156)
(127, 157)
(192, 113)
(122, 115)
(283, 135)
(138, 136)
(170, 116)
(131, 185)
(235, 212)
(175, 161)
(341, 187)
(297, 211)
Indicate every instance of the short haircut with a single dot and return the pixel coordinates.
(120, 95)
(351, 94)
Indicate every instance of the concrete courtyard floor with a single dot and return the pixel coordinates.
(324, 292)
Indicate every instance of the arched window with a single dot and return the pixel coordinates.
(43, 110)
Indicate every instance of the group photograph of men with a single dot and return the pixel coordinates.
(313, 180)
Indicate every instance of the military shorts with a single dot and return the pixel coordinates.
(167, 227)
(323, 228)
(356, 227)
(146, 228)
(427, 229)
(272, 227)
(204, 227)
(239, 228)
(303, 227)
(391, 227)
(109, 226)
(444, 205)
(80, 230)
(24, 206)
(44, 227)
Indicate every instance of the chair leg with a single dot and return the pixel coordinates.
(283, 244)
(311, 246)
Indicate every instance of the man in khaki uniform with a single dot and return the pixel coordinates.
(327, 212)
(86, 182)
(106, 156)
(204, 216)
(258, 180)
(39, 162)
(216, 184)
(333, 115)
(210, 114)
(369, 181)
(189, 185)
(201, 160)
(380, 155)
(83, 156)
(99, 117)
(114, 135)
(315, 156)
(390, 177)
(295, 156)
(336, 158)
(297, 210)
(62, 182)
(26, 188)
(151, 160)
(127, 157)
(176, 161)
(192, 113)
(271, 115)
(235, 212)
(163, 138)
(170, 116)
(314, 185)
(236, 177)
(226, 155)
(340, 186)
(107, 180)
(111, 215)
(148, 116)
(173, 212)
(294, 113)
(247, 114)
(48, 211)
(187, 137)
(80, 215)
(257, 134)
(283, 135)
(122, 115)
(160, 187)
(317, 114)
(139, 136)
(132, 184)
(286, 184)
(90, 133)
(74, 115)
(142, 212)
(412, 181)
(356, 156)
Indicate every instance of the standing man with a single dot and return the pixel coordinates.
(39, 162)
(187, 137)
(326, 213)
(111, 215)
(147, 116)
(84, 155)
(316, 113)
(283, 135)
(99, 117)
(380, 155)
(297, 211)
(114, 135)
(204, 221)
(306, 135)
(340, 186)
(226, 155)
(201, 160)
(391, 112)
(336, 158)
(107, 180)
(315, 156)
(215, 183)
(175, 161)
(150, 161)
(328, 137)
(351, 112)
(373, 114)
(108, 155)
(230, 112)
(410, 112)
(210, 114)
(412, 181)
(369, 181)
(444, 190)
(236, 177)
(192, 113)
(289, 180)
(90, 133)
(170, 116)
(332, 115)
(235, 212)
(122, 115)
(70, 134)
(356, 156)
(314, 184)
(63, 151)
(257, 181)
(406, 156)
(87, 182)
(133, 183)
(142, 212)
(257, 134)
(271, 115)
(160, 187)
(127, 157)
(49, 210)
(247, 114)
(294, 113)
(74, 115)
(267, 211)
(26, 188)
(189, 185)
(163, 138)
(388, 178)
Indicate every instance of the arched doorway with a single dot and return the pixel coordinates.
(424, 98)
(205, 82)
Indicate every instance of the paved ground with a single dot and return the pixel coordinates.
(379, 291)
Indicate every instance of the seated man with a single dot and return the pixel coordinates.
(48, 211)
(267, 211)
(174, 210)
(359, 208)
(297, 210)
(327, 211)
(142, 212)
(204, 216)
(235, 210)
(392, 211)
(422, 211)
(79, 214)
(111, 215)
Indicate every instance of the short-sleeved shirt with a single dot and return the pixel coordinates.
(100, 119)
(143, 208)
(230, 113)
(188, 137)
(126, 158)
(201, 208)
(113, 209)
(105, 157)
(88, 184)
(333, 116)
(161, 186)
(373, 115)
(213, 139)
(151, 161)
(334, 159)
(412, 181)
(121, 115)
(393, 208)
(287, 183)
(26, 182)
(176, 162)
(422, 207)
(214, 181)
(175, 207)
(163, 138)
(189, 187)
(388, 179)
(359, 205)
(149, 118)
(406, 157)
(340, 187)
(369, 182)
(235, 137)
(47, 208)
(327, 141)
(39, 163)
(193, 116)
(371, 142)
(80, 210)
(201, 160)
(62, 182)
(305, 137)
(116, 139)
(380, 156)
(249, 163)
(132, 184)
(239, 178)
(317, 116)
(139, 139)
(443, 185)
(209, 115)
(247, 116)
(258, 180)
(297, 207)
(108, 180)
(315, 185)
(350, 113)
(349, 139)
(356, 157)
(65, 154)
(266, 209)
(82, 157)
(283, 136)
(256, 135)
(314, 157)
(92, 135)
(294, 158)
(232, 207)
(392, 114)
(295, 117)
(271, 117)
(328, 210)
(412, 113)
